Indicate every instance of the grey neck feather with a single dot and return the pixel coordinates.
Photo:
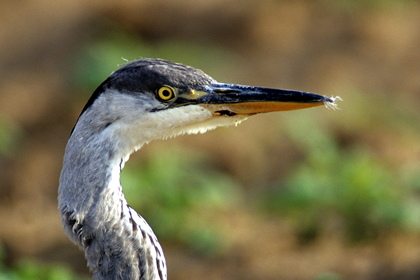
(118, 243)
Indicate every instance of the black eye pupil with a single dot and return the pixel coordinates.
(165, 93)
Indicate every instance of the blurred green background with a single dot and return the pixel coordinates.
(311, 194)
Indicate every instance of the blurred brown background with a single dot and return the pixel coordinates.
(316, 194)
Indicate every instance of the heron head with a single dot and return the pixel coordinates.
(148, 99)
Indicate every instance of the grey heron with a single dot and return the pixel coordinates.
(144, 100)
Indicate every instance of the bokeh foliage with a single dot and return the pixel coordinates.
(31, 269)
(350, 190)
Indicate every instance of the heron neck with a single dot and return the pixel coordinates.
(90, 170)
(117, 242)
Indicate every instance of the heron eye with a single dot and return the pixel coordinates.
(166, 93)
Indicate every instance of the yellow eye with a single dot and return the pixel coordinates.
(166, 93)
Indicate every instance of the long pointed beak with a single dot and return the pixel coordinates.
(231, 99)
